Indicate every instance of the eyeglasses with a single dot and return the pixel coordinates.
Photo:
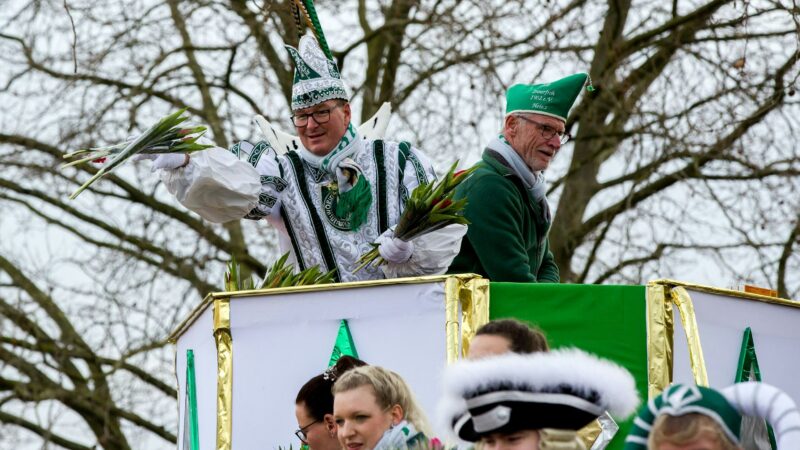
(321, 116)
(547, 131)
(301, 432)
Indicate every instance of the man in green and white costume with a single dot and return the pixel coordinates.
(507, 207)
(330, 197)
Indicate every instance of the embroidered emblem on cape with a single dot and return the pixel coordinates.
(330, 198)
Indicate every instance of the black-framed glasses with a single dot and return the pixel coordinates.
(547, 131)
(301, 432)
(321, 116)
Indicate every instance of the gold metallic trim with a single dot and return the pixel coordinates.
(224, 341)
(198, 310)
(589, 434)
(659, 339)
(474, 310)
(190, 319)
(452, 287)
(728, 292)
(470, 296)
(681, 299)
(222, 314)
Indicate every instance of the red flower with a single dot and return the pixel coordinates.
(443, 204)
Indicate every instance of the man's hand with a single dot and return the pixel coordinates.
(167, 161)
(394, 250)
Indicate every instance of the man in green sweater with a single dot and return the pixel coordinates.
(507, 206)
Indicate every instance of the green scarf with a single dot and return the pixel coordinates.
(354, 194)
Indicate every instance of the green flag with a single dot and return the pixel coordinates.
(191, 438)
(609, 321)
(344, 344)
(748, 370)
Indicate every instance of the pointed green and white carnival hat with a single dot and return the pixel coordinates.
(725, 407)
(316, 75)
(551, 99)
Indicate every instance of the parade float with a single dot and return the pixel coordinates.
(241, 356)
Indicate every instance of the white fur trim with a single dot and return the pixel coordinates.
(451, 409)
(543, 371)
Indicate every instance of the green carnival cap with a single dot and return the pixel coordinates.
(551, 99)
(316, 77)
(679, 400)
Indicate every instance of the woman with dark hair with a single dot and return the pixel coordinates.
(314, 407)
(506, 335)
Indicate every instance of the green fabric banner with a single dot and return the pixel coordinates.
(609, 321)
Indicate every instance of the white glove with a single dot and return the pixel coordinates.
(167, 161)
(394, 250)
(434, 251)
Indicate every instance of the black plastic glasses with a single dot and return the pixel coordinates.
(547, 131)
(321, 116)
(301, 432)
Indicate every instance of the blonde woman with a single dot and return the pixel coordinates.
(374, 409)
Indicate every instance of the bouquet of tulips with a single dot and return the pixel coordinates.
(163, 137)
(279, 275)
(430, 207)
(282, 275)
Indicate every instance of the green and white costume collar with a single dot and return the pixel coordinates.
(353, 191)
(726, 408)
(316, 78)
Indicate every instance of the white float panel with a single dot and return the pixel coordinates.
(722, 320)
(281, 341)
(200, 339)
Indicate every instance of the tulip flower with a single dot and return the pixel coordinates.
(430, 207)
(163, 137)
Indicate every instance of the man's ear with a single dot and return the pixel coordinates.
(330, 424)
(347, 112)
(510, 126)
